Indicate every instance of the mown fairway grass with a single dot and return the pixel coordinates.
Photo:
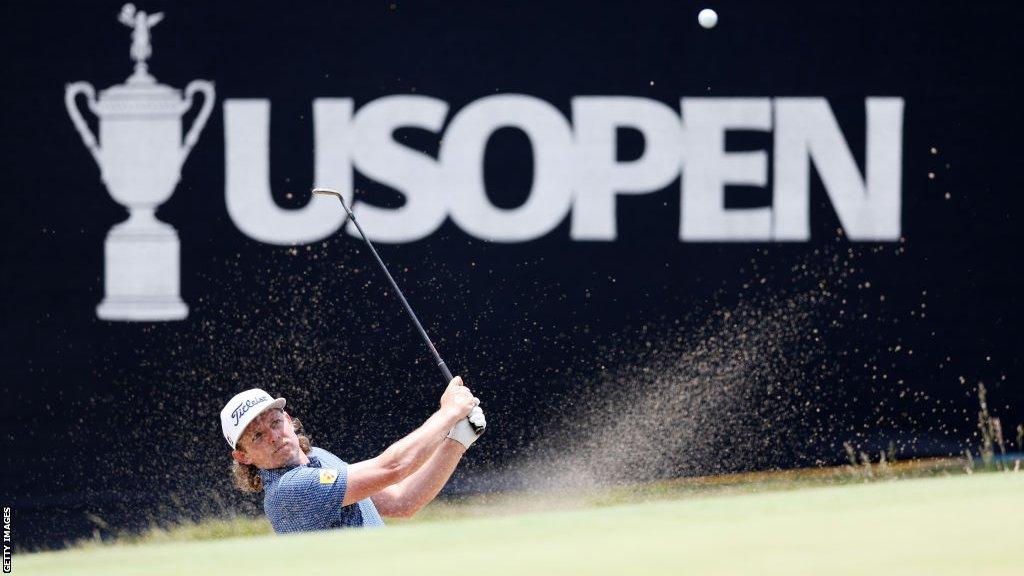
(952, 525)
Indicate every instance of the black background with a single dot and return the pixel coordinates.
(117, 422)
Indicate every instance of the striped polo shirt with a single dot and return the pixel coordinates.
(309, 496)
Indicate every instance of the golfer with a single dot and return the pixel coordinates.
(308, 488)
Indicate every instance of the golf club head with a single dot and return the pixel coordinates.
(327, 192)
(336, 194)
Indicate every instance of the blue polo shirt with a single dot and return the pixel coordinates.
(309, 496)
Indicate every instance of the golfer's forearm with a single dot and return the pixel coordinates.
(409, 453)
(418, 490)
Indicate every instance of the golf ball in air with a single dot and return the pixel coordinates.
(707, 18)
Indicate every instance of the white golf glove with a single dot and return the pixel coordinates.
(466, 433)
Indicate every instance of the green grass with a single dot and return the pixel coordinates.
(498, 504)
(943, 525)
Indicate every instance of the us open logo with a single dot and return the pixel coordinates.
(576, 173)
(140, 156)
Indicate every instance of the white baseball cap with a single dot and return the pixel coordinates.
(243, 409)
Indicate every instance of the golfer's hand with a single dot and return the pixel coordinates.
(457, 400)
(467, 430)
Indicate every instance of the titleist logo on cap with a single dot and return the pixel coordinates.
(242, 408)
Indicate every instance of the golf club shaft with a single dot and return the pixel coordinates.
(437, 357)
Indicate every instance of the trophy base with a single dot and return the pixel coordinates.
(142, 310)
(141, 273)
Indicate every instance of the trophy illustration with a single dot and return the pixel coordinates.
(140, 154)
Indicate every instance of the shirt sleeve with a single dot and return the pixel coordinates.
(310, 498)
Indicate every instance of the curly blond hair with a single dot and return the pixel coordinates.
(247, 477)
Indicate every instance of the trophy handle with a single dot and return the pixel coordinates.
(206, 88)
(71, 92)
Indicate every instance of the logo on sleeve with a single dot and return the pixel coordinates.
(328, 475)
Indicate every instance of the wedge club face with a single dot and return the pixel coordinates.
(336, 194)
(327, 192)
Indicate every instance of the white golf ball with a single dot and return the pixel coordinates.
(707, 18)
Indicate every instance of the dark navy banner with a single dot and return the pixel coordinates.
(651, 248)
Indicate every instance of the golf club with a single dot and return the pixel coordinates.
(445, 372)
